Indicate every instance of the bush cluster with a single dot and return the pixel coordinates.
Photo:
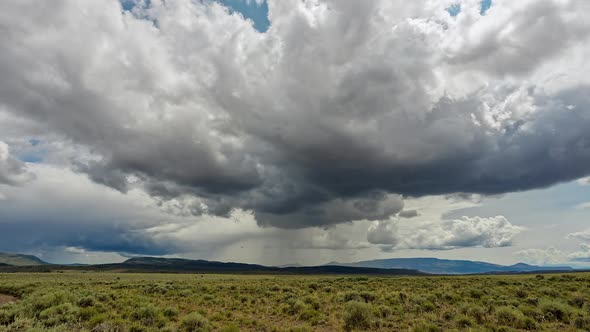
(108, 302)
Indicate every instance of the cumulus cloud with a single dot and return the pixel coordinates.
(383, 233)
(514, 39)
(580, 236)
(555, 256)
(581, 256)
(328, 117)
(447, 234)
(542, 256)
(12, 171)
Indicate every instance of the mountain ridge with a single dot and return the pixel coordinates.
(448, 266)
(392, 266)
(15, 259)
(181, 264)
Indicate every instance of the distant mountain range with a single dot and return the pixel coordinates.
(394, 266)
(147, 264)
(177, 265)
(446, 266)
(20, 259)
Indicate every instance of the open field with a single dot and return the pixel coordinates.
(78, 301)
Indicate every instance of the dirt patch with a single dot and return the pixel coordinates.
(4, 299)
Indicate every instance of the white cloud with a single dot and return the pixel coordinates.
(12, 171)
(384, 233)
(542, 256)
(239, 120)
(447, 234)
(257, 2)
(581, 236)
(581, 256)
(554, 256)
(75, 250)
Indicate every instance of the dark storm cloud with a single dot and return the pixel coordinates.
(327, 118)
(22, 236)
(64, 209)
(375, 206)
(408, 213)
(552, 147)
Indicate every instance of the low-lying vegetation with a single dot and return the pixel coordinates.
(188, 302)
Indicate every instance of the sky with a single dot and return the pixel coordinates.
(310, 131)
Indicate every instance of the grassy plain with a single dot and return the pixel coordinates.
(78, 301)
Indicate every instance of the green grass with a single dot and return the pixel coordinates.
(78, 301)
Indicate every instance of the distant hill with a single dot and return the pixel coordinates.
(187, 265)
(20, 259)
(394, 266)
(446, 266)
(177, 265)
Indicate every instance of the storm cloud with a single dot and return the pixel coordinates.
(63, 209)
(333, 115)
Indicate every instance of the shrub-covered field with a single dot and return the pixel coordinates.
(188, 302)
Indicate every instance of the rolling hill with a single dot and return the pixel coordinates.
(155, 264)
(395, 266)
(20, 259)
(446, 266)
(177, 265)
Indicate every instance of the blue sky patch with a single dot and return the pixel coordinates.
(32, 157)
(455, 9)
(248, 8)
(35, 153)
(485, 5)
(127, 4)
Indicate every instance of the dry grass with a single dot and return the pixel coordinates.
(6, 299)
(188, 302)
